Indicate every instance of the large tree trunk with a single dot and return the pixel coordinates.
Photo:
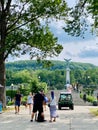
(3, 31)
(2, 83)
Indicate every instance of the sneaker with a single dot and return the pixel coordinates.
(31, 120)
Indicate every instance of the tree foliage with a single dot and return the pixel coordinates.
(33, 64)
(24, 29)
(82, 17)
(53, 79)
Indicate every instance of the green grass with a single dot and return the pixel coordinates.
(94, 111)
(8, 108)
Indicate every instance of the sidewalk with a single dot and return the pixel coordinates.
(77, 119)
(11, 121)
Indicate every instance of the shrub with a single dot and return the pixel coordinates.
(10, 103)
(90, 98)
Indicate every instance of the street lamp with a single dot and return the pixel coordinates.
(11, 91)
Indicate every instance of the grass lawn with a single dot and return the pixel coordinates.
(8, 108)
(94, 111)
(11, 108)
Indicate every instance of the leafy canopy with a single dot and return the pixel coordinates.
(82, 17)
(24, 27)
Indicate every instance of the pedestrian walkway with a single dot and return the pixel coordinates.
(11, 121)
(77, 119)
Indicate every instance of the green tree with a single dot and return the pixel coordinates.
(23, 76)
(24, 29)
(79, 18)
(9, 74)
(37, 86)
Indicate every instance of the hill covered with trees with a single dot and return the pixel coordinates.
(31, 75)
(51, 65)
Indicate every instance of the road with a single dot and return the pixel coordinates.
(77, 119)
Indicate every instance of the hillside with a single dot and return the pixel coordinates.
(34, 65)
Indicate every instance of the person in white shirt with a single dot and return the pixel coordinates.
(30, 102)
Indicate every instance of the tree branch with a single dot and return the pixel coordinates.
(19, 16)
(23, 24)
(83, 3)
(9, 50)
(2, 4)
(8, 5)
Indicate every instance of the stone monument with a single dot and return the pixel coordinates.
(67, 72)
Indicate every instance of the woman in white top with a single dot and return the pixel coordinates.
(30, 101)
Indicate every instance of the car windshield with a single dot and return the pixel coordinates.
(67, 96)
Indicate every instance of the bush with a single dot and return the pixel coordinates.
(81, 95)
(95, 103)
(24, 100)
(10, 103)
(89, 98)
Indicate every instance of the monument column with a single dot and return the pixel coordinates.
(67, 76)
(67, 71)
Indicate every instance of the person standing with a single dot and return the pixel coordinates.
(52, 107)
(38, 105)
(84, 97)
(30, 101)
(17, 102)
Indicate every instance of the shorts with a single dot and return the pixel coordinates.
(17, 103)
(37, 108)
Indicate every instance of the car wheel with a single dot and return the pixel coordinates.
(72, 107)
(59, 107)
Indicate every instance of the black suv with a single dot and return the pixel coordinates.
(65, 100)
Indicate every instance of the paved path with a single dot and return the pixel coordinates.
(77, 119)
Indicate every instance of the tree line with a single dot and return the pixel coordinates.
(53, 78)
(46, 64)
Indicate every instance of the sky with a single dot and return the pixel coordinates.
(75, 48)
(78, 49)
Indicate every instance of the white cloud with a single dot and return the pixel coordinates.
(86, 52)
(78, 51)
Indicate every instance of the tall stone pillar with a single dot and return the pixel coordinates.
(67, 71)
(67, 76)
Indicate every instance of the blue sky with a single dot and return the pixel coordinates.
(76, 48)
